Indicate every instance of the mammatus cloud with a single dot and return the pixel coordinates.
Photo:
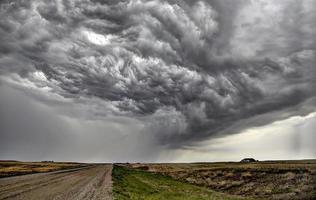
(187, 70)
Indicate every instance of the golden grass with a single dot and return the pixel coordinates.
(12, 168)
(266, 179)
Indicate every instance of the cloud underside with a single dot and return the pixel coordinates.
(188, 70)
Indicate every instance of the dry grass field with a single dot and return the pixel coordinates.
(13, 168)
(133, 184)
(223, 180)
(263, 180)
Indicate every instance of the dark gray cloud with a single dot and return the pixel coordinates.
(188, 70)
(31, 130)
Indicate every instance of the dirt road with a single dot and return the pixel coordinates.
(93, 182)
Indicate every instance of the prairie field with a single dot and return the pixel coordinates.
(284, 180)
(14, 168)
(257, 180)
(131, 184)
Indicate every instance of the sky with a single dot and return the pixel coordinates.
(157, 81)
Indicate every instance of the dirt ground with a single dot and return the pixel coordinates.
(92, 182)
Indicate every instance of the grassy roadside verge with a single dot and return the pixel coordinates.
(137, 184)
(292, 179)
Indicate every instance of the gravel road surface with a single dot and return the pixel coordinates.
(92, 182)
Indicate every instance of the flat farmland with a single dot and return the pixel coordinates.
(285, 180)
(14, 168)
(263, 180)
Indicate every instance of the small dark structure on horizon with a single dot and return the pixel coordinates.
(247, 160)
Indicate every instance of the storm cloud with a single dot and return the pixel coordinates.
(186, 71)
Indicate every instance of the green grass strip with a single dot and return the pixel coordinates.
(137, 184)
